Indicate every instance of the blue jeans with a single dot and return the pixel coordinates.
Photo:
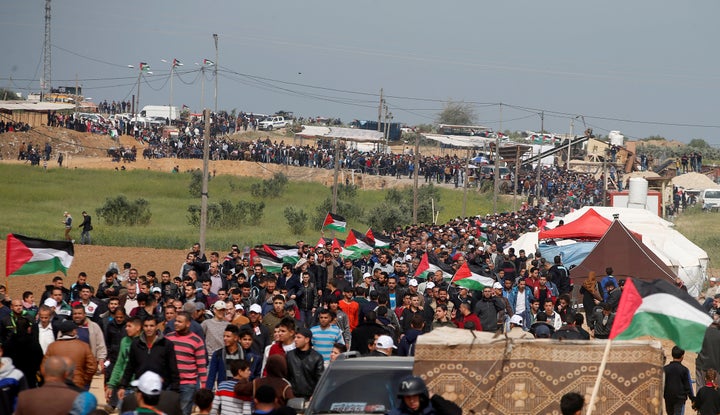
(187, 393)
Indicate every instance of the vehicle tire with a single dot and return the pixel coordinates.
(269, 127)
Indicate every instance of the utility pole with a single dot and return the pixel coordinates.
(336, 156)
(416, 161)
(215, 37)
(380, 107)
(572, 129)
(204, 193)
(77, 95)
(46, 81)
(496, 182)
(465, 182)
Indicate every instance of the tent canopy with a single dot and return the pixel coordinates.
(347, 134)
(590, 226)
(627, 256)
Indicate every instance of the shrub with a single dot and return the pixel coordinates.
(224, 214)
(296, 219)
(195, 187)
(271, 187)
(121, 211)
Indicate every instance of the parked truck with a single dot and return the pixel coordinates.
(274, 122)
(160, 111)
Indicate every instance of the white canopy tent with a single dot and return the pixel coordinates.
(342, 133)
(688, 260)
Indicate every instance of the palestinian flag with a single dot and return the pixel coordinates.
(208, 62)
(659, 309)
(465, 278)
(270, 262)
(144, 67)
(320, 243)
(176, 63)
(287, 253)
(358, 242)
(483, 237)
(377, 243)
(334, 222)
(426, 268)
(27, 256)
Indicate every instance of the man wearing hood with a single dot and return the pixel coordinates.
(12, 382)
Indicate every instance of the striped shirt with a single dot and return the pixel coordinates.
(324, 339)
(191, 357)
(226, 402)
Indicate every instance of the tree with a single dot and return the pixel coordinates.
(8, 94)
(698, 143)
(457, 113)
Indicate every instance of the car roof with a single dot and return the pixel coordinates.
(373, 363)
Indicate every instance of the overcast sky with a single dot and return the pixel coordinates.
(642, 67)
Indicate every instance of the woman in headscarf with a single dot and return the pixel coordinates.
(590, 291)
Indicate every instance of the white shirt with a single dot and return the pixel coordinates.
(45, 336)
(130, 304)
(520, 305)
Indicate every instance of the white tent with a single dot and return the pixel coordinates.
(688, 260)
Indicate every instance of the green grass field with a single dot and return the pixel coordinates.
(701, 228)
(34, 200)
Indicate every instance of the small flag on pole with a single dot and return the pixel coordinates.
(144, 67)
(28, 256)
(334, 222)
(659, 309)
(208, 62)
(176, 62)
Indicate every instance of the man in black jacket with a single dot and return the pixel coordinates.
(305, 365)
(151, 351)
(490, 310)
(677, 384)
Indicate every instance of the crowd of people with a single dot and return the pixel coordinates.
(222, 325)
(225, 324)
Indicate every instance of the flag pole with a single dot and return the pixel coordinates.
(601, 369)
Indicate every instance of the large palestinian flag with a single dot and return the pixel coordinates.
(334, 222)
(27, 256)
(428, 266)
(659, 309)
(270, 262)
(287, 253)
(358, 244)
(465, 278)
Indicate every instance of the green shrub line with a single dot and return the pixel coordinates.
(34, 201)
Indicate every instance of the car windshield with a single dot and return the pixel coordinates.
(713, 194)
(357, 392)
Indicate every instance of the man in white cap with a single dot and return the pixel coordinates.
(384, 346)
(214, 328)
(149, 387)
(516, 330)
(262, 336)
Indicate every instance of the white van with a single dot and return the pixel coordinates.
(710, 199)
